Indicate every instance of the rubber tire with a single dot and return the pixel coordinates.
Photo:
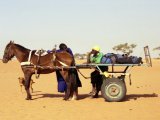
(111, 83)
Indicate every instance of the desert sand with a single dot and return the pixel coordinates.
(142, 101)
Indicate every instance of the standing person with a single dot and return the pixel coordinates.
(95, 56)
(61, 82)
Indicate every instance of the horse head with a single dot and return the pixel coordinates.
(8, 52)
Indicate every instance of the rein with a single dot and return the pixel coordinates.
(83, 75)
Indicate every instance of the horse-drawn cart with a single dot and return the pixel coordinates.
(113, 88)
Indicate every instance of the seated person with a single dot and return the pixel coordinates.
(95, 56)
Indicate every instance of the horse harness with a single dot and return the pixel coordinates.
(36, 66)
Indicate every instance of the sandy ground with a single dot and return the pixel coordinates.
(142, 101)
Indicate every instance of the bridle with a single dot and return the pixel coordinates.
(7, 53)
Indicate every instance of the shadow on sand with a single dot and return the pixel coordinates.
(136, 96)
(45, 95)
(83, 96)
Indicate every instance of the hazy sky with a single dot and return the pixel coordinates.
(80, 24)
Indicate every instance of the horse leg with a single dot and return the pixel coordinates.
(65, 75)
(74, 85)
(68, 91)
(75, 95)
(74, 90)
(27, 77)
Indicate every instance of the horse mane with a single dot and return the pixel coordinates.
(21, 47)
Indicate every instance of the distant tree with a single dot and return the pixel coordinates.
(76, 54)
(125, 48)
(157, 48)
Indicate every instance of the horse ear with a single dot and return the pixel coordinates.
(11, 41)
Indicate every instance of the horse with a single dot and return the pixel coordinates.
(47, 64)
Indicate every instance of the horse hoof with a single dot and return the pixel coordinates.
(74, 98)
(28, 98)
(66, 99)
(95, 96)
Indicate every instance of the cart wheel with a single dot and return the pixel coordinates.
(113, 89)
